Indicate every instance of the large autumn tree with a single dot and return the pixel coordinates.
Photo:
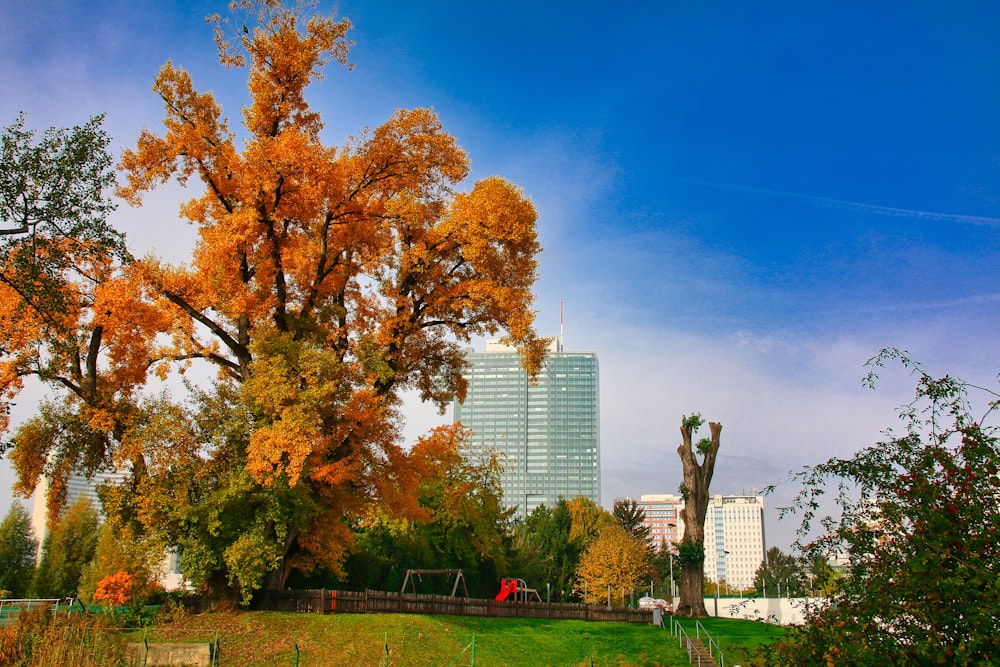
(694, 489)
(325, 281)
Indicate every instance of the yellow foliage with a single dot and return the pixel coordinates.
(588, 519)
(614, 559)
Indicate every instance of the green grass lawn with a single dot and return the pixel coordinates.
(269, 638)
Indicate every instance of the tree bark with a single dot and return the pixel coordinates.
(697, 478)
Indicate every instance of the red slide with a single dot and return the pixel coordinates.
(507, 586)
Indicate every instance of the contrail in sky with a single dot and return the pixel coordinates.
(856, 206)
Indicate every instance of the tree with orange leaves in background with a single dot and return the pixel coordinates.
(115, 589)
(325, 282)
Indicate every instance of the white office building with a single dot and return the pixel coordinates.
(734, 539)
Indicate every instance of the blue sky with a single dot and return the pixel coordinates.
(739, 202)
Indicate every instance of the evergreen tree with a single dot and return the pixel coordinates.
(68, 548)
(632, 518)
(17, 553)
(780, 574)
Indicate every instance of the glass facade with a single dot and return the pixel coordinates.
(547, 434)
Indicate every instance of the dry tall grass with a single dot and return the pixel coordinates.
(41, 638)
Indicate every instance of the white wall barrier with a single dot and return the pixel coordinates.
(780, 611)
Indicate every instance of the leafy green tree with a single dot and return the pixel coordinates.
(917, 521)
(780, 574)
(17, 552)
(822, 576)
(663, 568)
(68, 548)
(198, 496)
(544, 551)
(59, 262)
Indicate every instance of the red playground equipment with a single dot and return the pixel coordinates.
(516, 590)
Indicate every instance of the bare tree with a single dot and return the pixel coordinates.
(694, 489)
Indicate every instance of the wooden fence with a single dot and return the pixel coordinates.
(381, 602)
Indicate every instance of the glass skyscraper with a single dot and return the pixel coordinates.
(546, 434)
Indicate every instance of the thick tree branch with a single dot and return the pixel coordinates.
(240, 351)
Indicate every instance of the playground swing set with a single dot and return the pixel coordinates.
(515, 590)
(413, 576)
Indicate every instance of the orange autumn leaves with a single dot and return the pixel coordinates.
(115, 589)
(324, 283)
(339, 251)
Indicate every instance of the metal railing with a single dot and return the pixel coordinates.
(714, 651)
(686, 643)
(11, 607)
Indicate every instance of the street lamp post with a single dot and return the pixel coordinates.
(671, 556)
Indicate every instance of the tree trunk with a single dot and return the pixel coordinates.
(697, 478)
(276, 579)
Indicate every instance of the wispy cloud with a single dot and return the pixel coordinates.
(854, 205)
(962, 302)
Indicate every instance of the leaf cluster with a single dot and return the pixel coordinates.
(691, 554)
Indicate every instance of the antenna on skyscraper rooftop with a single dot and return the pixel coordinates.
(559, 347)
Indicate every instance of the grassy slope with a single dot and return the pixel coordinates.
(268, 638)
